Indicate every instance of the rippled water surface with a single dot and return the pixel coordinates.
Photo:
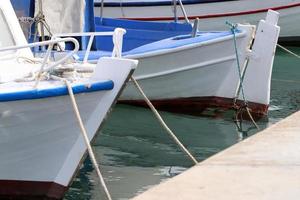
(135, 153)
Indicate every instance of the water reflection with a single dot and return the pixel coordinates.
(135, 152)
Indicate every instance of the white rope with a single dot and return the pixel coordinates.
(184, 12)
(117, 52)
(289, 51)
(26, 24)
(118, 42)
(23, 59)
(170, 132)
(86, 139)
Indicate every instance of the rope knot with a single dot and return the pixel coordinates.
(118, 42)
(233, 27)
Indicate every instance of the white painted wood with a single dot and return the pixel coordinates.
(39, 138)
(210, 68)
(258, 75)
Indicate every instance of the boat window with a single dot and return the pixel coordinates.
(6, 37)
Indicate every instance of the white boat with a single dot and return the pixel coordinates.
(40, 142)
(212, 13)
(181, 72)
(190, 74)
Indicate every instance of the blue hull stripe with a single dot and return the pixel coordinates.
(54, 92)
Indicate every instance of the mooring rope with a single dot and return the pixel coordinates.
(289, 51)
(117, 52)
(233, 29)
(86, 139)
(26, 24)
(39, 19)
(162, 122)
(241, 76)
(45, 72)
(183, 12)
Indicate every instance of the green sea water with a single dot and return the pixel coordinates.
(135, 153)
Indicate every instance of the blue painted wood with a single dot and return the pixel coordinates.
(54, 92)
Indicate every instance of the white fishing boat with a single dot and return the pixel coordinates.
(40, 142)
(212, 13)
(192, 74)
(186, 71)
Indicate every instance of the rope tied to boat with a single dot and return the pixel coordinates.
(117, 52)
(41, 20)
(288, 51)
(38, 20)
(46, 72)
(50, 74)
(26, 24)
(118, 42)
(162, 122)
(244, 107)
(84, 134)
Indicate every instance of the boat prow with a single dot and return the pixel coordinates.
(40, 141)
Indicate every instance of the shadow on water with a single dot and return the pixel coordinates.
(136, 153)
(82, 184)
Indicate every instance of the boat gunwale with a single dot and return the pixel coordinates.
(56, 91)
(185, 47)
(179, 48)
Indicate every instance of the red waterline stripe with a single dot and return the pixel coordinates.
(33, 190)
(198, 105)
(218, 15)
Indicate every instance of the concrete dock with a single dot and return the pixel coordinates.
(265, 166)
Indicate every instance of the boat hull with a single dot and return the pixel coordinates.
(47, 156)
(191, 79)
(213, 15)
(41, 143)
(206, 74)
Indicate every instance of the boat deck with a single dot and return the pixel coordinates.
(264, 166)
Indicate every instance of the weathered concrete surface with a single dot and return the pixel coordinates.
(265, 166)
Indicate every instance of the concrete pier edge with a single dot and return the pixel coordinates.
(264, 166)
